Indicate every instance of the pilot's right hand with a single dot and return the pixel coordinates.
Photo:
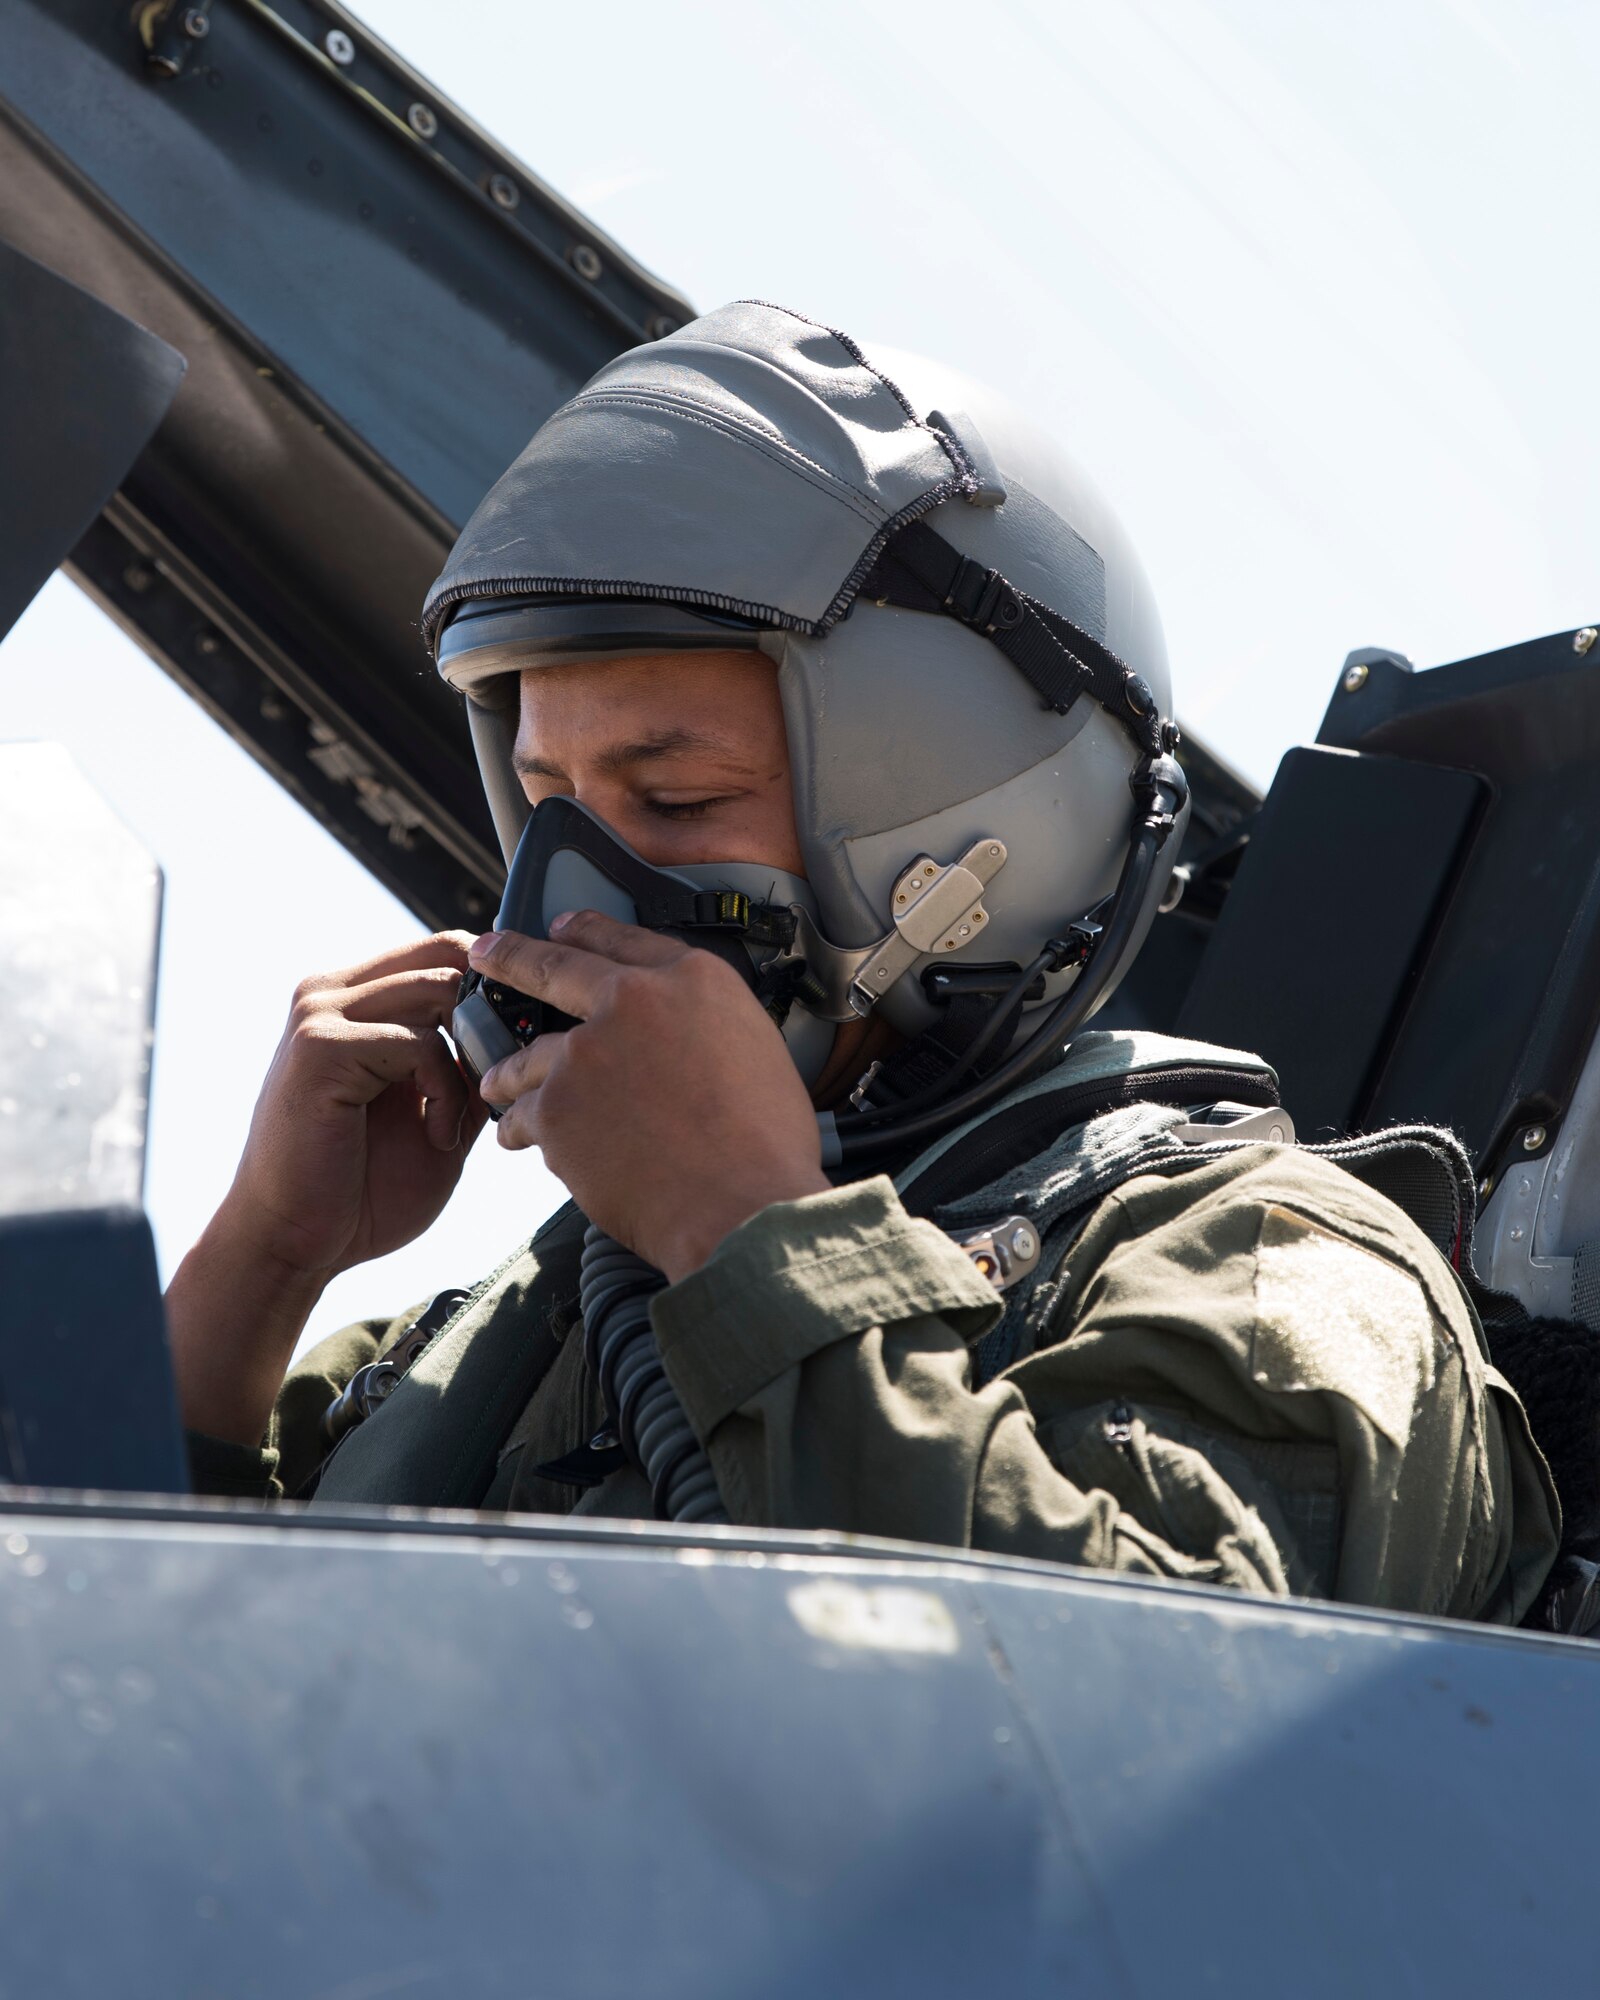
(357, 1141)
(364, 1121)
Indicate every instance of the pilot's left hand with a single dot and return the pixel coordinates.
(673, 1111)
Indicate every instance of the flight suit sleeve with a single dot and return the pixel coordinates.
(823, 1355)
(294, 1445)
(1224, 1397)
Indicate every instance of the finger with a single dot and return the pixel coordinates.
(473, 1119)
(423, 1063)
(358, 1060)
(624, 944)
(518, 1129)
(444, 1093)
(566, 976)
(443, 948)
(522, 1072)
(423, 999)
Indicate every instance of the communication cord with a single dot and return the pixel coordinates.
(614, 1291)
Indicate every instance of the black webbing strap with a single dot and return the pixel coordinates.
(918, 570)
(916, 1066)
(665, 905)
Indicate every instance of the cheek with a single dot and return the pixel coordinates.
(781, 842)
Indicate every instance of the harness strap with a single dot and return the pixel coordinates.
(1423, 1170)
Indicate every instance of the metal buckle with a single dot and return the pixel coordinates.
(1003, 1252)
(982, 598)
(1235, 1125)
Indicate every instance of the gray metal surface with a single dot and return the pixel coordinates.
(1538, 1236)
(435, 1759)
(81, 390)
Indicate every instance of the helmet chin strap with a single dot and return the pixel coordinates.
(1160, 791)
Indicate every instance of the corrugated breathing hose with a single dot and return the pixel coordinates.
(614, 1292)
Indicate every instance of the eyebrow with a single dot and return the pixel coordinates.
(657, 745)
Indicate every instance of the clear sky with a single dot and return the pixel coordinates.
(1310, 288)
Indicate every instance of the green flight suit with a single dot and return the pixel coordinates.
(1256, 1373)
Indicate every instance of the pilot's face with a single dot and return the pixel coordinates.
(682, 754)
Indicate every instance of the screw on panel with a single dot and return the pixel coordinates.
(660, 325)
(422, 121)
(208, 645)
(339, 46)
(138, 577)
(196, 24)
(503, 191)
(1355, 678)
(1582, 641)
(586, 261)
(1534, 1138)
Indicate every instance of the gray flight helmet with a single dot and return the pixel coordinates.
(751, 481)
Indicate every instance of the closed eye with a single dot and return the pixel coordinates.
(682, 809)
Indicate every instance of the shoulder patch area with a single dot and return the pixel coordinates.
(1337, 1318)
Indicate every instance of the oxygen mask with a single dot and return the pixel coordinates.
(567, 859)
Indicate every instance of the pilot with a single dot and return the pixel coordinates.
(825, 710)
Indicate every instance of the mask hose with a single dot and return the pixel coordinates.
(614, 1291)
